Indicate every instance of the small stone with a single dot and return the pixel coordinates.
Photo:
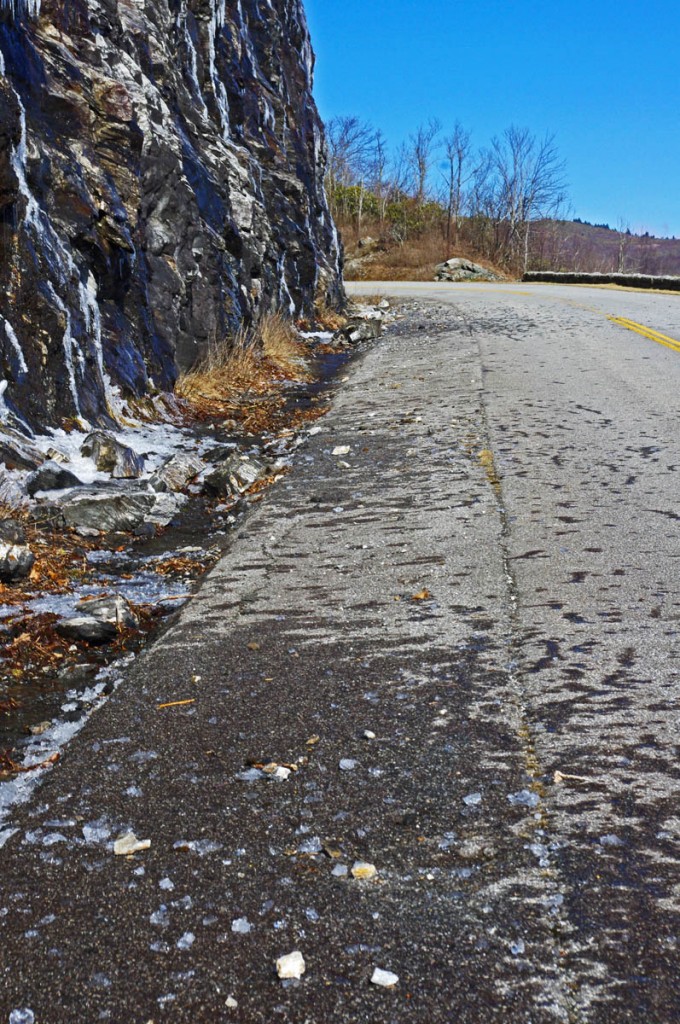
(368, 735)
(347, 764)
(22, 1017)
(290, 966)
(39, 729)
(129, 843)
(231, 1003)
(363, 871)
(241, 926)
(385, 979)
(341, 449)
(340, 871)
(186, 941)
(472, 799)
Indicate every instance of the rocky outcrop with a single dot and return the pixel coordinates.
(458, 269)
(161, 178)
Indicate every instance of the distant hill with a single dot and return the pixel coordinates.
(591, 248)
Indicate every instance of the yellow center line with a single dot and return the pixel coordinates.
(646, 332)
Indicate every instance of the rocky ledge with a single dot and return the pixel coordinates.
(161, 179)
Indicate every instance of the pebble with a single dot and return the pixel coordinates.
(368, 735)
(129, 843)
(525, 798)
(385, 979)
(347, 764)
(472, 799)
(241, 926)
(231, 1003)
(363, 871)
(340, 871)
(341, 449)
(290, 966)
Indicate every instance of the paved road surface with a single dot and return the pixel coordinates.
(487, 580)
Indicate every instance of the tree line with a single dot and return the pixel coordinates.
(487, 201)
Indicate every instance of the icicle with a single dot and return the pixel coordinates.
(284, 291)
(219, 17)
(18, 7)
(14, 342)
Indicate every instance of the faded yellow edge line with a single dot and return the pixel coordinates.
(646, 332)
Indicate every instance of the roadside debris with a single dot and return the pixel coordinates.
(363, 871)
(129, 844)
(291, 966)
(384, 979)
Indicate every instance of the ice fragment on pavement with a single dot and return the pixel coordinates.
(129, 843)
(472, 799)
(167, 884)
(312, 845)
(290, 966)
(517, 947)
(611, 840)
(22, 1017)
(241, 926)
(525, 798)
(385, 979)
(362, 870)
(187, 941)
(347, 764)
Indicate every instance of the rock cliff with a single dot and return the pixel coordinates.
(161, 178)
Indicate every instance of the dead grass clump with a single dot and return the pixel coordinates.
(281, 345)
(250, 362)
(327, 318)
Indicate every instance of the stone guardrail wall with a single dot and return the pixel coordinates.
(626, 280)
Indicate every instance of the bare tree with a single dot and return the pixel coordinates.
(530, 185)
(458, 173)
(351, 144)
(422, 146)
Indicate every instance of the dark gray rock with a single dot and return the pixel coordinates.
(119, 508)
(112, 608)
(176, 473)
(233, 476)
(16, 451)
(16, 558)
(110, 456)
(161, 179)
(51, 477)
(16, 561)
(359, 329)
(457, 269)
(12, 532)
(83, 627)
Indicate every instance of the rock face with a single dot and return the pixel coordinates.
(161, 178)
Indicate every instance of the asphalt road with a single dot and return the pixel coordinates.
(476, 559)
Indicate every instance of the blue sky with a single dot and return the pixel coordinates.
(603, 76)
